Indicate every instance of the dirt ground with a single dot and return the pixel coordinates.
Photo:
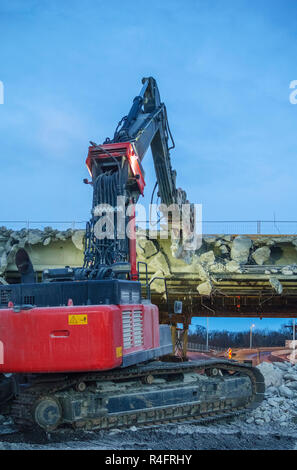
(235, 434)
(224, 436)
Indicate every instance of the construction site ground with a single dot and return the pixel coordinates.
(256, 355)
(272, 426)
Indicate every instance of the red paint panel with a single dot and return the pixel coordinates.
(151, 327)
(42, 340)
(134, 165)
(73, 339)
(118, 150)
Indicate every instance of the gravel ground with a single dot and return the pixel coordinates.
(227, 436)
(272, 426)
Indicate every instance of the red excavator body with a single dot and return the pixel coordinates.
(76, 338)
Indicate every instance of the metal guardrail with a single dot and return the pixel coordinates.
(228, 227)
(251, 227)
(41, 225)
(194, 347)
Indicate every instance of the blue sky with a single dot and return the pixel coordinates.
(240, 324)
(71, 70)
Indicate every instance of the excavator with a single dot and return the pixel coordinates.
(82, 347)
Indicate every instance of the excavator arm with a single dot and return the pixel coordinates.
(147, 125)
(116, 170)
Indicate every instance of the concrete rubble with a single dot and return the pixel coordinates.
(276, 285)
(240, 249)
(280, 404)
(11, 241)
(223, 254)
(261, 255)
(274, 256)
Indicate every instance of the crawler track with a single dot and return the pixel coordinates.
(144, 396)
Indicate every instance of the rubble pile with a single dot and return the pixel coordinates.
(218, 255)
(280, 403)
(222, 254)
(11, 241)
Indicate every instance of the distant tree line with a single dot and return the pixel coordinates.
(240, 339)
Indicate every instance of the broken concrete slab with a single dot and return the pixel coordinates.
(240, 249)
(276, 284)
(78, 238)
(218, 267)
(35, 236)
(223, 250)
(204, 288)
(261, 255)
(233, 267)
(158, 262)
(202, 273)
(3, 263)
(272, 375)
(287, 271)
(207, 258)
(148, 247)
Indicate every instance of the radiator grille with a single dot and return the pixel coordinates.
(127, 329)
(138, 328)
(132, 328)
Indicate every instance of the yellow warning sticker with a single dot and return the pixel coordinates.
(77, 319)
(119, 351)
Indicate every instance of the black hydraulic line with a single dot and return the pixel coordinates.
(152, 197)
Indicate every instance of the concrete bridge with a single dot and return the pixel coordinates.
(230, 275)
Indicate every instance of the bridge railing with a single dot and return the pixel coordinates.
(41, 225)
(251, 227)
(240, 227)
(194, 347)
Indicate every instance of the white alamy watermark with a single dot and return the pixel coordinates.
(1, 92)
(293, 94)
(179, 222)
